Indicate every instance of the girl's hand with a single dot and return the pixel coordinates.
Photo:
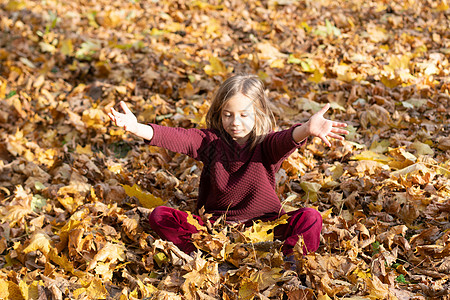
(324, 128)
(126, 120)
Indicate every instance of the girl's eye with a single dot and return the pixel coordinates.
(244, 115)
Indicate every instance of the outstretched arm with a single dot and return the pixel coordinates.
(128, 121)
(318, 126)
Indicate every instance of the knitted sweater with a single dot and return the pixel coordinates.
(236, 181)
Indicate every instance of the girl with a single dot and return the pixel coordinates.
(240, 156)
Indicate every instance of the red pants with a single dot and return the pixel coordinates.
(172, 225)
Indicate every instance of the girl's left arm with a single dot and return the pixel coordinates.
(318, 126)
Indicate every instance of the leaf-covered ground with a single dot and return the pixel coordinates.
(75, 191)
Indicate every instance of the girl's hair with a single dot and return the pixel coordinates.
(252, 87)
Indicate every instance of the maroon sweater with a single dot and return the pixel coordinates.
(235, 180)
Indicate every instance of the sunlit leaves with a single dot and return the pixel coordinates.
(69, 229)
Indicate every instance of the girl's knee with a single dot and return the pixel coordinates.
(310, 214)
(158, 214)
(314, 214)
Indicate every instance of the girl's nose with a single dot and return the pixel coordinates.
(235, 121)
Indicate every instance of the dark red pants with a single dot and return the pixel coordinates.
(172, 225)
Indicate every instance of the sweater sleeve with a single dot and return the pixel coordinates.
(186, 141)
(279, 145)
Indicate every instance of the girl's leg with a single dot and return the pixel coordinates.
(172, 225)
(306, 222)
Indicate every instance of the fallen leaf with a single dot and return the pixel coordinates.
(146, 199)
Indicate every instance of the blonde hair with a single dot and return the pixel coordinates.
(253, 88)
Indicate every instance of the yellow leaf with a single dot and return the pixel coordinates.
(444, 169)
(146, 199)
(109, 19)
(14, 5)
(397, 72)
(316, 77)
(193, 221)
(311, 189)
(370, 155)
(199, 117)
(267, 277)
(248, 289)
(307, 104)
(13, 291)
(377, 34)
(31, 291)
(94, 290)
(416, 173)
(160, 258)
(66, 47)
(94, 118)
(337, 170)
(116, 169)
(117, 132)
(216, 67)
(380, 146)
(39, 241)
(323, 296)
(16, 214)
(47, 157)
(46, 47)
(443, 6)
(345, 73)
(367, 166)
(64, 263)
(111, 252)
(422, 148)
(327, 213)
(4, 294)
(121, 89)
(259, 232)
(390, 82)
(69, 203)
(269, 52)
(378, 290)
(66, 229)
(2, 88)
(86, 150)
(147, 290)
(362, 274)
(277, 63)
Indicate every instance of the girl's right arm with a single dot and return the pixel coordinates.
(128, 121)
(191, 142)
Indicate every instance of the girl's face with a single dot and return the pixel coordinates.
(238, 118)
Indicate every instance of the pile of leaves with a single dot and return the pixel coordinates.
(76, 191)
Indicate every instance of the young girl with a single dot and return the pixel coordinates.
(241, 155)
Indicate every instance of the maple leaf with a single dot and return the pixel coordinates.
(39, 241)
(311, 189)
(93, 289)
(263, 231)
(111, 252)
(202, 275)
(146, 199)
(216, 67)
(379, 290)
